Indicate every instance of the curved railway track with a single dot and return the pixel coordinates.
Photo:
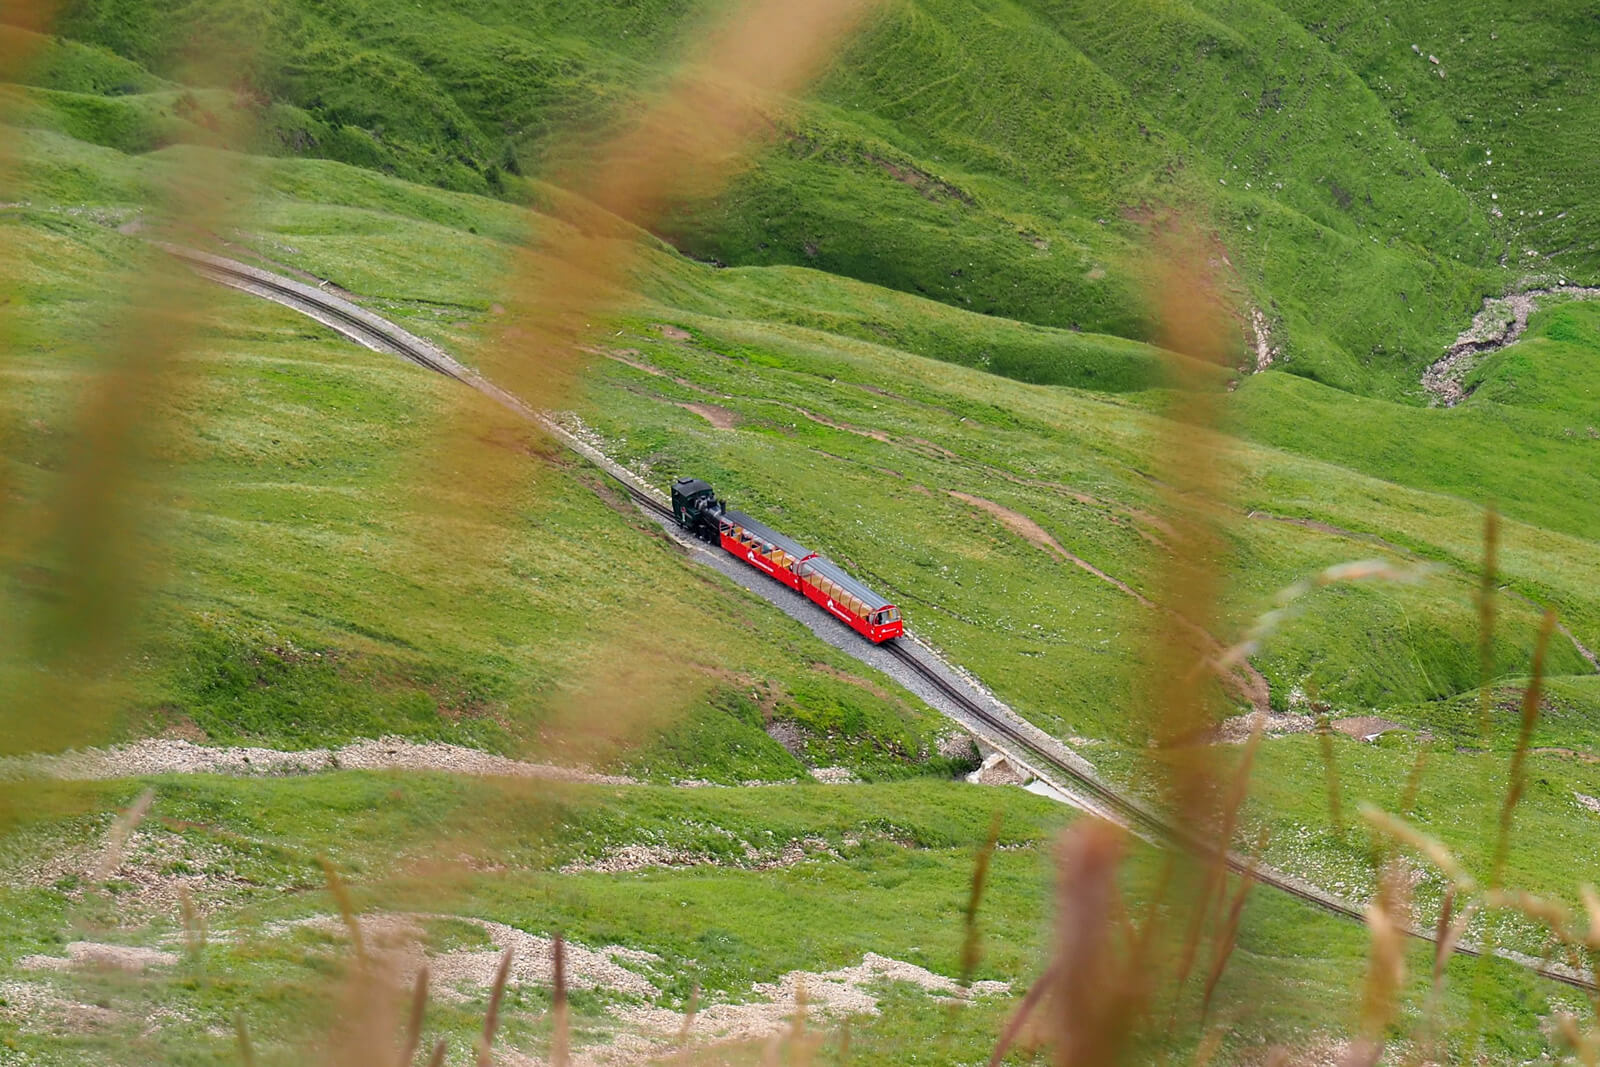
(378, 334)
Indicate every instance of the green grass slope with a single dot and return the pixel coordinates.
(1006, 158)
(899, 855)
(312, 598)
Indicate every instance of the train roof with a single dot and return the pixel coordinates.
(689, 486)
(833, 572)
(768, 534)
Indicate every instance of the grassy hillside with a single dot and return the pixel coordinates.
(855, 444)
(929, 356)
(899, 855)
(1008, 158)
(312, 597)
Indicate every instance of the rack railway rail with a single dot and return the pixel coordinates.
(376, 333)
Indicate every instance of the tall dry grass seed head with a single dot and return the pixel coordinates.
(1096, 994)
(80, 556)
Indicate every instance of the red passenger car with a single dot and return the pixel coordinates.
(814, 576)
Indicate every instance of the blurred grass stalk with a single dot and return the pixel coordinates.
(689, 139)
(78, 553)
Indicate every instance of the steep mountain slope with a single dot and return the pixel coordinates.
(1010, 158)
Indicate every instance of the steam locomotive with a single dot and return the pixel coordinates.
(696, 508)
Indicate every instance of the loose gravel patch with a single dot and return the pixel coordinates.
(1364, 727)
(1501, 322)
(637, 857)
(39, 1009)
(94, 956)
(396, 939)
(1237, 730)
(173, 756)
(828, 995)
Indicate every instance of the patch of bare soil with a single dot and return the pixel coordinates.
(174, 756)
(1321, 1051)
(876, 435)
(1261, 340)
(396, 940)
(629, 357)
(1364, 727)
(639, 857)
(720, 417)
(1151, 528)
(1031, 531)
(630, 858)
(1501, 322)
(94, 956)
(771, 1009)
(1332, 531)
(1244, 681)
(39, 1009)
(958, 745)
(673, 333)
(1569, 753)
(930, 187)
(1583, 650)
(789, 735)
(148, 873)
(1237, 729)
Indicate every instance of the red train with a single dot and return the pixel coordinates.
(818, 578)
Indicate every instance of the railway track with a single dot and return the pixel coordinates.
(1138, 818)
(378, 334)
